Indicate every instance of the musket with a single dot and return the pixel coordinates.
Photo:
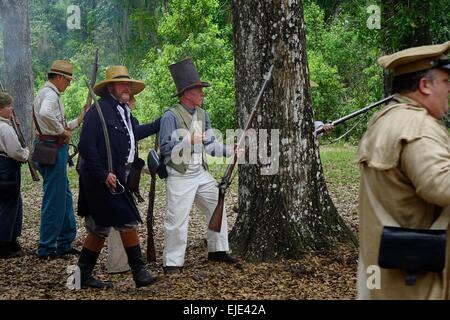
(33, 172)
(92, 81)
(215, 224)
(87, 105)
(355, 113)
(151, 251)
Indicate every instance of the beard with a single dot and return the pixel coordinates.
(122, 95)
(125, 97)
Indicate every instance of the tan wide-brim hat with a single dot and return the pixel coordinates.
(313, 84)
(118, 74)
(63, 68)
(417, 59)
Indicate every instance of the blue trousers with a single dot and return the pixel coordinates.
(58, 226)
(10, 200)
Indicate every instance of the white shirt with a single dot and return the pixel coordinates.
(130, 131)
(9, 142)
(49, 113)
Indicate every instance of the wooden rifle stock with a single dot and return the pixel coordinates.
(355, 113)
(23, 144)
(31, 167)
(151, 251)
(215, 224)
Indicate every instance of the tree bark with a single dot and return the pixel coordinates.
(283, 214)
(18, 67)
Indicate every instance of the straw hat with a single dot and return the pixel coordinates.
(185, 76)
(417, 59)
(63, 68)
(118, 74)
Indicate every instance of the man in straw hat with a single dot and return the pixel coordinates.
(188, 180)
(404, 159)
(58, 226)
(103, 207)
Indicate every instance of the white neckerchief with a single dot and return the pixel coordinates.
(130, 131)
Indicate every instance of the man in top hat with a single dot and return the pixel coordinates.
(58, 226)
(104, 197)
(185, 139)
(404, 160)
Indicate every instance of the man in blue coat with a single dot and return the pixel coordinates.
(103, 200)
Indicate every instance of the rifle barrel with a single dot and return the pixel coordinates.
(33, 172)
(215, 222)
(356, 113)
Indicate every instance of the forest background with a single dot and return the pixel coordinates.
(344, 39)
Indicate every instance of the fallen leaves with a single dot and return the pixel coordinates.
(322, 275)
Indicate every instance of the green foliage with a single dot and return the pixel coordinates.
(209, 49)
(339, 164)
(415, 22)
(147, 36)
(186, 18)
(342, 60)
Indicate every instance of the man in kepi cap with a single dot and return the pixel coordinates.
(105, 199)
(185, 139)
(404, 160)
(58, 226)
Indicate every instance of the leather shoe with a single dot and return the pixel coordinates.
(72, 251)
(50, 256)
(91, 282)
(172, 270)
(222, 256)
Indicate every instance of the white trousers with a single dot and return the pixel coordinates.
(117, 260)
(182, 190)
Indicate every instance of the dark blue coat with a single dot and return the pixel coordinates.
(95, 198)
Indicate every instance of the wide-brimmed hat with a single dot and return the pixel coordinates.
(62, 67)
(417, 59)
(185, 76)
(118, 74)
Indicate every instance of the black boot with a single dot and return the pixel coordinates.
(4, 249)
(141, 276)
(10, 249)
(222, 256)
(86, 263)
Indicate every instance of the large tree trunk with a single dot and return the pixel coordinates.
(283, 214)
(17, 52)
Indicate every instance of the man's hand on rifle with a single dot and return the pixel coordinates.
(239, 152)
(66, 135)
(198, 138)
(328, 127)
(111, 180)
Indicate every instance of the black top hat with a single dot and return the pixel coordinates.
(185, 76)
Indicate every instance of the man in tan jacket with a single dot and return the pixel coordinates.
(404, 159)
